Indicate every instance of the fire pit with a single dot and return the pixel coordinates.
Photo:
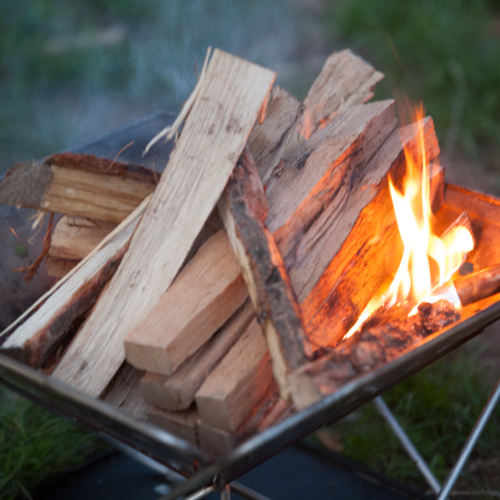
(335, 235)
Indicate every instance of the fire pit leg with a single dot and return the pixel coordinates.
(470, 443)
(408, 445)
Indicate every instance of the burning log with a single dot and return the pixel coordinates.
(238, 383)
(206, 292)
(176, 392)
(78, 184)
(478, 286)
(212, 139)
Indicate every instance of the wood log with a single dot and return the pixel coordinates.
(270, 411)
(78, 184)
(70, 299)
(344, 81)
(207, 291)
(75, 237)
(212, 139)
(124, 392)
(180, 423)
(318, 179)
(478, 286)
(361, 241)
(270, 141)
(58, 268)
(238, 383)
(176, 392)
(243, 209)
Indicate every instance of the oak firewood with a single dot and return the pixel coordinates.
(180, 423)
(243, 209)
(344, 81)
(79, 184)
(238, 383)
(214, 134)
(176, 392)
(356, 240)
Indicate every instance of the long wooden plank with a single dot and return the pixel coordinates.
(212, 139)
(238, 383)
(176, 392)
(79, 184)
(206, 292)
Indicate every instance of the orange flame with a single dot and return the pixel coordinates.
(412, 207)
(15, 233)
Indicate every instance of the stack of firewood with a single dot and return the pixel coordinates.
(250, 256)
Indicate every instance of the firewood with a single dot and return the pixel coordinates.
(59, 268)
(176, 392)
(270, 141)
(80, 185)
(238, 383)
(75, 237)
(124, 392)
(269, 411)
(211, 141)
(180, 423)
(344, 81)
(243, 208)
(42, 328)
(477, 286)
(355, 242)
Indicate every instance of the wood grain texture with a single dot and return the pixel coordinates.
(182, 424)
(124, 392)
(243, 208)
(344, 81)
(238, 383)
(80, 185)
(358, 239)
(270, 141)
(206, 292)
(212, 139)
(176, 392)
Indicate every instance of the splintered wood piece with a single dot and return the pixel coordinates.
(270, 141)
(200, 165)
(124, 392)
(269, 411)
(75, 237)
(243, 208)
(238, 383)
(59, 268)
(321, 175)
(344, 81)
(49, 320)
(362, 241)
(78, 184)
(176, 392)
(180, 423)
(207, 291)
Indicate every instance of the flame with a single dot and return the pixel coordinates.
(412, 206)
(15, 234)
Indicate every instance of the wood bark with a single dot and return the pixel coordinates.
(176, 392)
(243, 209)
(212, 139)
(79, 184)
(238, 383)
(361, 240)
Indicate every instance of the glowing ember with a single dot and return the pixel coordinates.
(413, 279)
(15, 234)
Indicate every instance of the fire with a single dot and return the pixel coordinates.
(414, 281)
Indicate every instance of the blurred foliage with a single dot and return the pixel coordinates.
(444, 52)
(35, 444)
(437, 407)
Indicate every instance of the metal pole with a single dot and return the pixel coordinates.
(204, 492)
(246, 492)
(407, 444)
(470, 443)
(225, 493)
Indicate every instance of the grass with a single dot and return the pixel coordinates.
(444, 52)
(437, 407)
(35, 444)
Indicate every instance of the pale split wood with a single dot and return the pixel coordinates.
(213, 137)
(238, 383)
(344, 81)
(204, 294)
(176, 392)
(243, 208)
